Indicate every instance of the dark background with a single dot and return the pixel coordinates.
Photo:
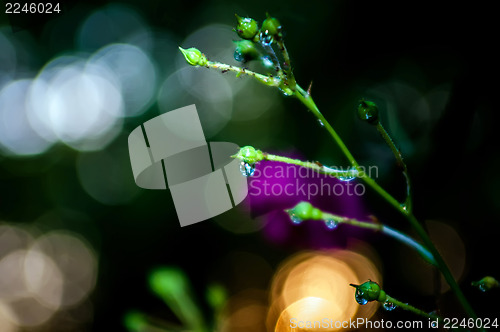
(346, 48)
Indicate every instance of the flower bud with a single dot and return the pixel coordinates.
(135, 321)
(271, 27)
(168, 282)
(216, 296)
(305, 211)
(486, 283)
(194, 57)
(369, 291)
(368, 111)
(247, 27)
(245, 51)
(249, 154)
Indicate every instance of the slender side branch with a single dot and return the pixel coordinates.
(305, 211)
(267, 80)
(408, 307)
(399, 159)
(287, 65)
(371, 291)
(249, 154)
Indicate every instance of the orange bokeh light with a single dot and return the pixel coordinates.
(311, 291)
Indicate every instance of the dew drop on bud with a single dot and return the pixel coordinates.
(360, 297)
(247, 169)
(295, 219)
(266, 39)
(238, 56)
(321, 123)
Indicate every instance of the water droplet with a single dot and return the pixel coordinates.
(266, 39)
(483, 287)
(238, 56)
(331, 224)
(247, 169)
(434, 314)
(359, 297)
(296, 220)
(321, 123)
(389, 306)
(404, 207)
(348, 177)
(287, 92)
(267, 62)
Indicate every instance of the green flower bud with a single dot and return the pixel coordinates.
(247, 27)
(168, 282)
(249, 154)
(305, 211)
(216, 296)
(135, 321)
(245, 51)
(369, 291)
(368, 111)
(486, 283)
(194, 57)
(271, 27)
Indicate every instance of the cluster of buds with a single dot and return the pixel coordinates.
(248, 29)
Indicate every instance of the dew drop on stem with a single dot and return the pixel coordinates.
(349, 176)
(331, 224)
(389, 306)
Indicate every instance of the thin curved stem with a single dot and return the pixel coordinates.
(307, 100)
(391, 232)
(318, 167)
(267, 80)
(408, 307)
(399, 159)
(287, 65)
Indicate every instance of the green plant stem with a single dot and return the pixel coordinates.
(307, 100)
(408, 307)
(186, 310)
(399, 159)
(391, 232)
(287, 64)
(312, 165)
(267, 80)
